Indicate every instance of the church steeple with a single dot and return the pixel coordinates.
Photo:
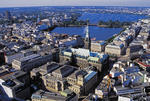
(87, 32)
(87, 40)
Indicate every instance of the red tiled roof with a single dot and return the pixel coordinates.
(141, 63)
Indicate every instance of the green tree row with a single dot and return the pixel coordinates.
(114, 24)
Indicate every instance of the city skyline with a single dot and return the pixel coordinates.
(27, 3)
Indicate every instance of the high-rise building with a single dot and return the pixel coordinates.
(8, 15)
(87, 40)
(38, 19)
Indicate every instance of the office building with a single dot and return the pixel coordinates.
(114, 50)
(32, 61)
(98, 47)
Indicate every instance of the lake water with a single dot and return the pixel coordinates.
(96, 17)
(95, 32)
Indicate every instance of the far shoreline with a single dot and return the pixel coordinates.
(101, 26)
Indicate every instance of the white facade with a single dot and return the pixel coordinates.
(122, 98)
(5, 89)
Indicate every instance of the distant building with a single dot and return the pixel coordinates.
(42, 27)
(38, 19)
(46, 22)
(72, 41)
(8, 15)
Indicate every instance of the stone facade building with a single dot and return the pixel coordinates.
(59, 78)
(29, 62)
(82, 81)
(114, 50)
(55, 81)
(84, 58)
(98, 47)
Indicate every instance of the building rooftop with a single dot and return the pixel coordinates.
(4, 73)
(64, 70)
(77, 73)
(85, 54)
(47, 95)
(13, 83)
(30, 57)
(127, 90)
(90, 75)
(63, 96)
(115, 46)
(49, 67)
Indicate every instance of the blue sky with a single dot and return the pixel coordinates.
(20, 3)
